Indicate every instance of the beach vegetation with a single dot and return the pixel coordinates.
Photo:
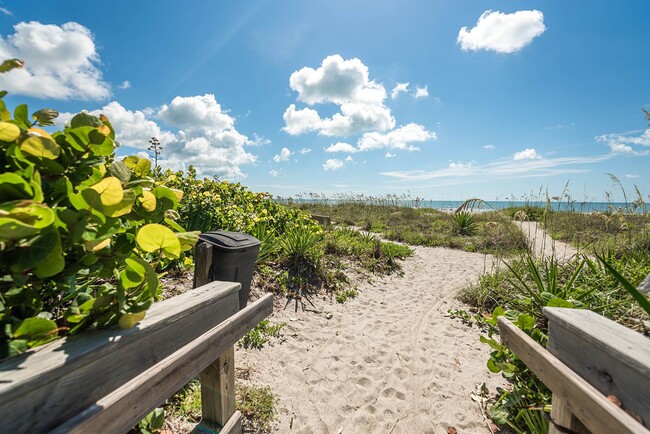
(464, 222)
(83, 234)
(261, 335)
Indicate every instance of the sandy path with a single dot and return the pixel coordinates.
(389, 360)
(541, 244)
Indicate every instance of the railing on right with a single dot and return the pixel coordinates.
(588, 358)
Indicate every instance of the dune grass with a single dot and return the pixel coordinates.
(487, 232)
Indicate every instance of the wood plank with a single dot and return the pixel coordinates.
(118, 411)
(218, 390)
(593, 409)
(562, 416)
(611, 357)
(46, 386)
(233, 426)
(202, 264)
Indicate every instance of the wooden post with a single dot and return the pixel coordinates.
(562, 417)
(218, 379)
(202, 264)
(218, 390)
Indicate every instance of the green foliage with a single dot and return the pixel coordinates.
(260, 335)
(464, 222)
(342, 296)
(640, 298)
(153, 422)
(492, 232)
(257, 405)
(210, 204)
(81, 234)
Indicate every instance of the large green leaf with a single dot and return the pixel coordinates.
(39, 249)
(40, 146)
(45, 117)
(9, 132)
(35, 327)
(21, 114)
(10, 64)
(154, 237)
(13, 186)
(120, 170)
(53, 263)
(85, 119)
(22, 219)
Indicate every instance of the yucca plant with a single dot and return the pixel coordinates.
(464, 222)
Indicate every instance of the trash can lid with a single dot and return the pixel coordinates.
(232, 241)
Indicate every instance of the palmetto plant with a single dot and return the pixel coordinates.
(465, 222)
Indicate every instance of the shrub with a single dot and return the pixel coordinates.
(78, 229)
(464, 222)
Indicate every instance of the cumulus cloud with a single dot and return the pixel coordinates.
(125, 85)
(400, 138)
(399, 87)
(503, 33)
(333, 164)
(389, 155)
(349, 159)
(341, 147)
(421, 92)
(274, 173)
(213, 149)
(60, 62)
(258, 141)
(627, 143)
(345, 83)
(304, 151)
(283, 156)
(196, 112)
(489, 147)
(527, 154)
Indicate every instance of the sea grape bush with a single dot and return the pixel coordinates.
(210, 204)
(81, 233)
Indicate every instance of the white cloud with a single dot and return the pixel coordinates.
(212, 149)
(527, 154)
(490, 147)
(304, 151)
(389, 155)
(460, 165)
(349, 159)
(629, 175)
(626, 143)
(60, 62)
(6, 12)
(342, 82)
(258, 141)
(274, 173)
(399, 87)
(333, 164)
(283, 156)
(506, 168)
(421, 92)
(399, 138)
(503, 33)
(196, 112)
(341, 147)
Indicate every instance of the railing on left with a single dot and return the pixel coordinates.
(108, 380)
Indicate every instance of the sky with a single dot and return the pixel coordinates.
(444, 100)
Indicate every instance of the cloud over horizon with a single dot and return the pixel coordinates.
(502, 33)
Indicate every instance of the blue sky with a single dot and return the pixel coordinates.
(443, 100)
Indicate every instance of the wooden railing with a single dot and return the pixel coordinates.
(588, 358)
(107, 381)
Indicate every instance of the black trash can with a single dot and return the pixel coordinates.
(233, 259)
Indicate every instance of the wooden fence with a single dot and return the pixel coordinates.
(108, 380)
(589, 358)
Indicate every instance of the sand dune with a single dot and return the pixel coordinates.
(389, 360)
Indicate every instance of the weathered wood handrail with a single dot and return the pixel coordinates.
(112, 378)
(588, 358)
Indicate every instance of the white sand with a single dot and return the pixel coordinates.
(389, 360)
(541, 244)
